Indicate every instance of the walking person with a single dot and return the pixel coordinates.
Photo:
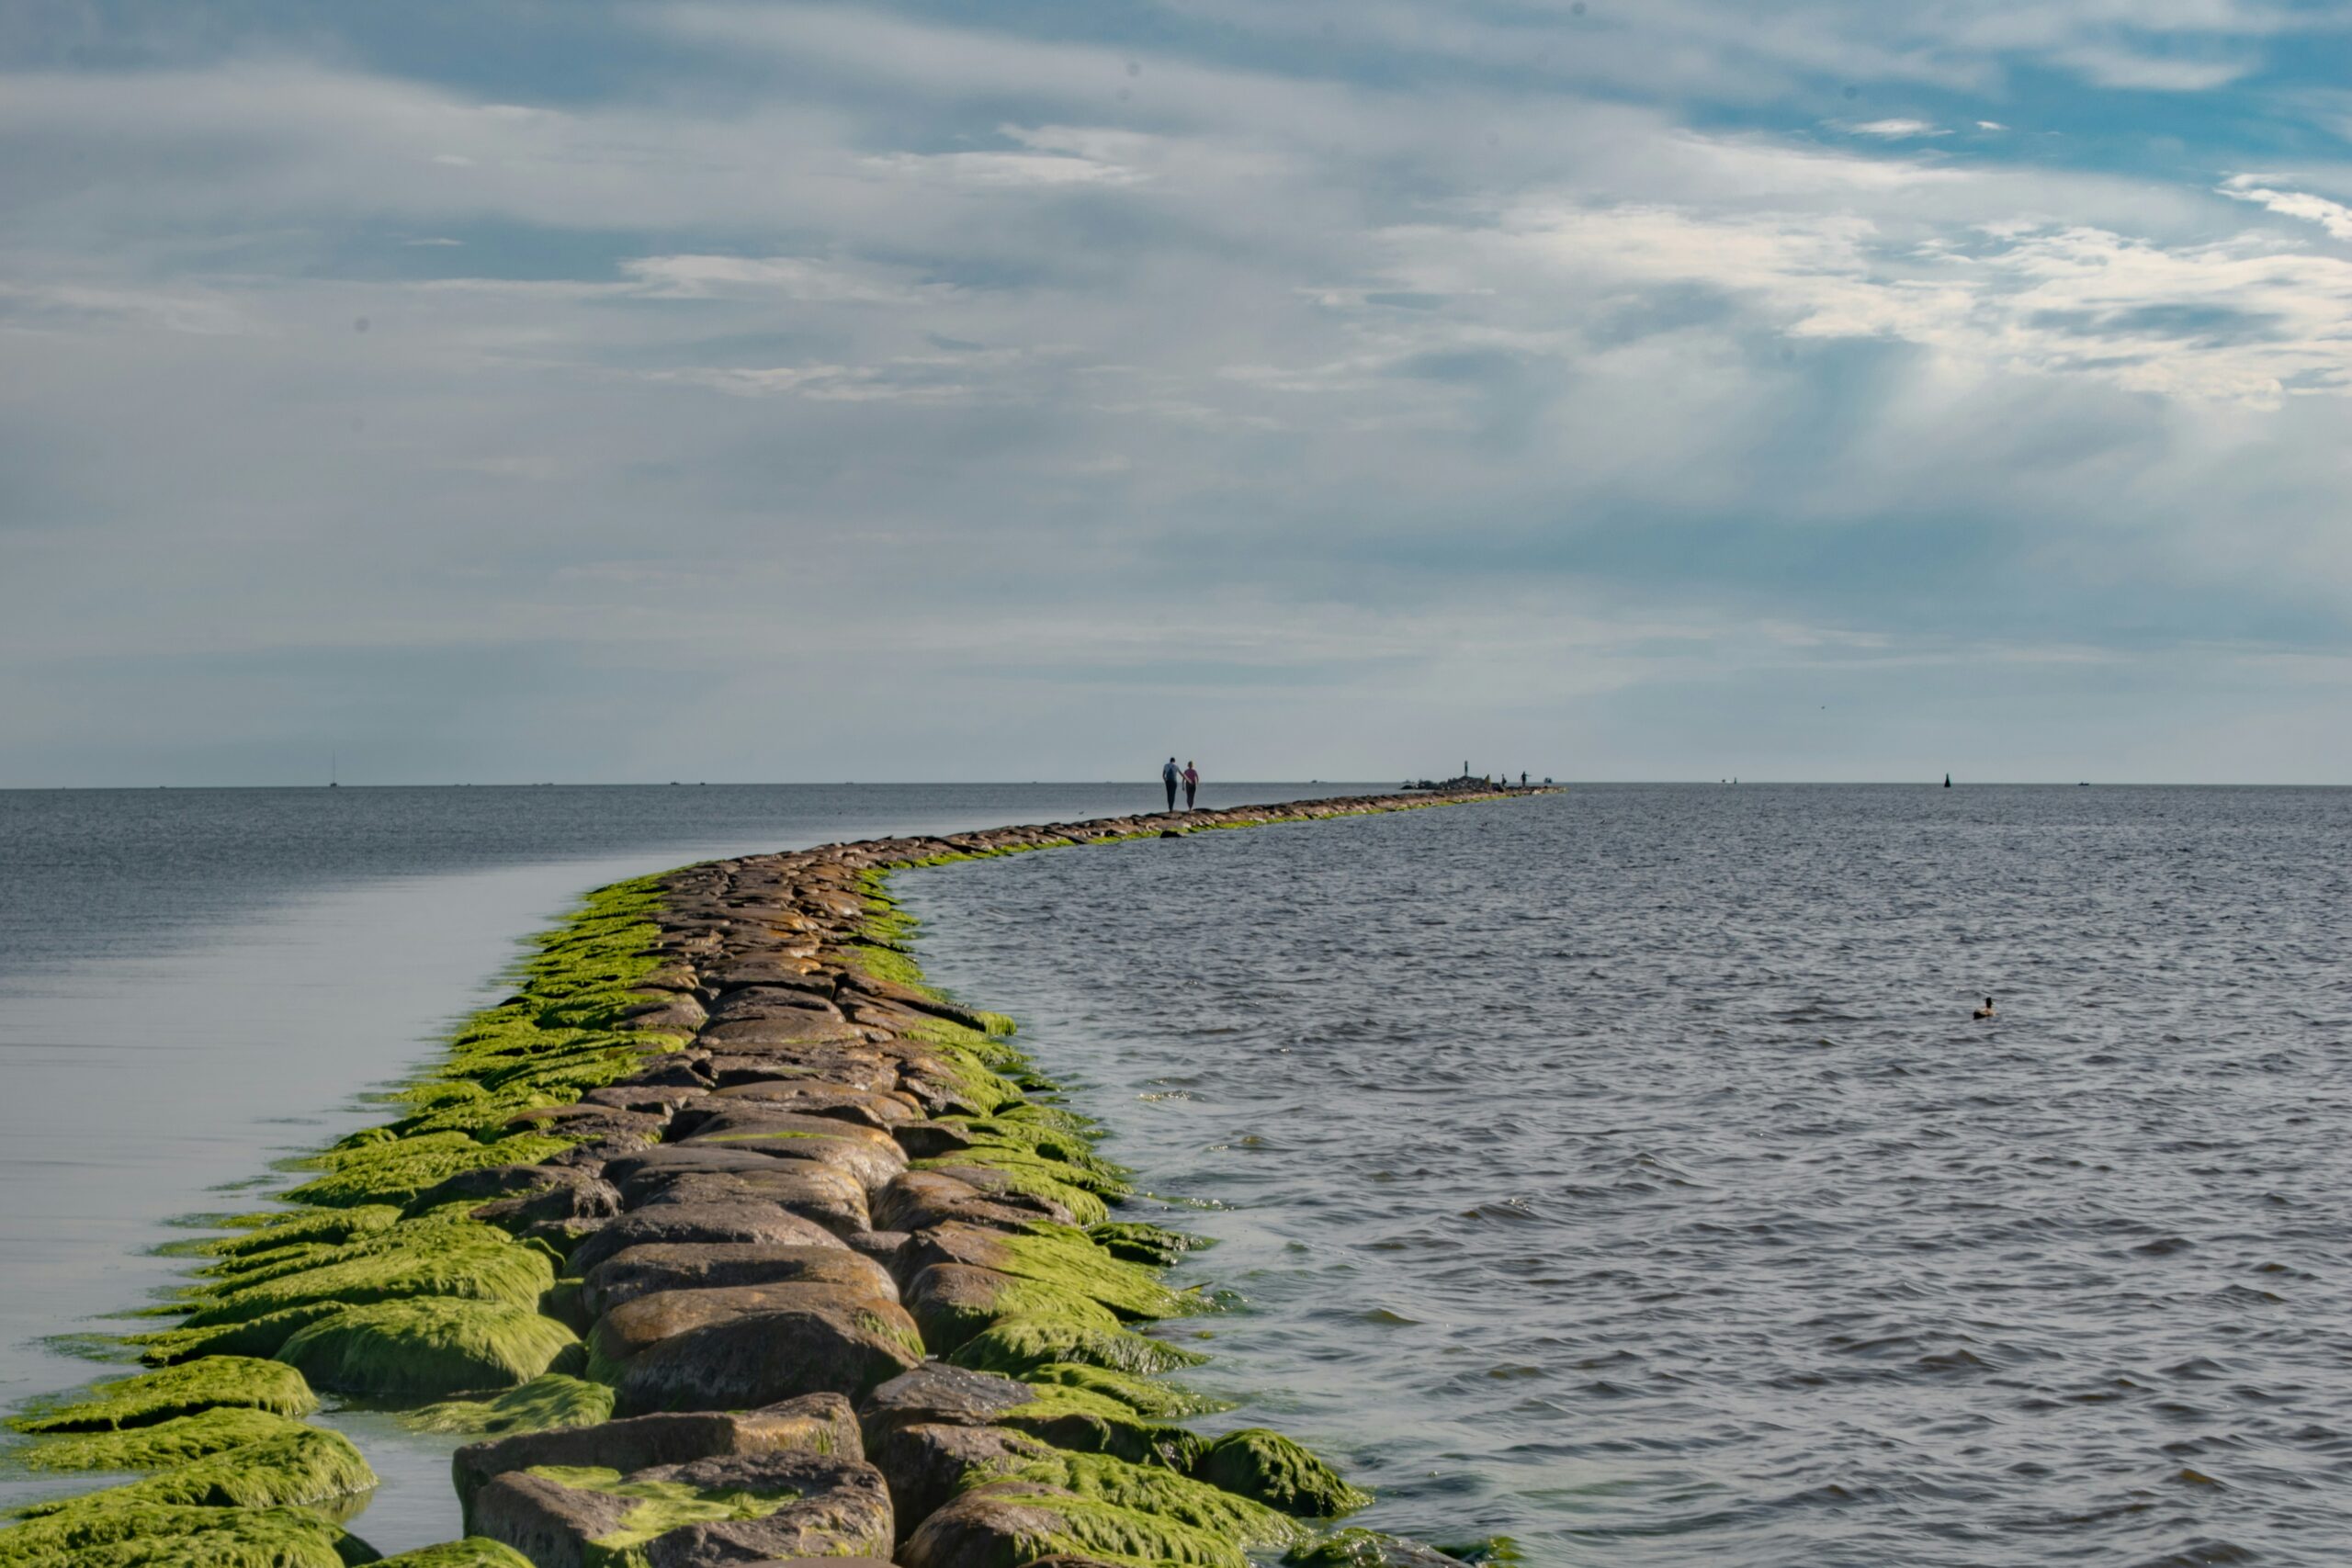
(1192, 782)
(1167, 776)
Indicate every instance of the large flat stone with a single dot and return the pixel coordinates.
(758, 1359)
(636, 1326)
(801, 1505)
(674, 1223)
(816, 1423)
(688, 1266)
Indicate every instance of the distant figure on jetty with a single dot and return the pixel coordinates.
(1167, 776)
(1985, 1011)
(1192, 782)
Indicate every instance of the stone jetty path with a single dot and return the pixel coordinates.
(727, 1241)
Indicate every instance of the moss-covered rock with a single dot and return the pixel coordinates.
(301, 1465)
(1369, 1548)
(1007, 1523)
(255, 1339)
(184, 1390)
(158, 1535)
(549, 1402)
(953, 1303)
(1148, 1489)
(269, 1232)
(1088, 1422)
(1015, 1345)
(474, 1551)
(162, 1445)
(1060, 1261)
(1160, 1400)
(421, 1257)
(427, 1346)
(732, 1509)
(1279, 1472)
(1155, 1247)
(396, 1170)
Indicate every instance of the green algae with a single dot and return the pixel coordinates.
(1015, 1346)
(161, 1446)
(144, 1535)
(1156, 1493)
(150, 1397)
(428, 1345)
(1096, 1423)
(257, 1338)
(1358, 1548)
(946, 1324)
(474, 1551)
(658, 1507)
(546, 1403)
(1064, 1259)
(1278, 1472)
(300, 1466)
(422, 1258)
(1095, 1528)
(1155, 1247)
(1159, 1400)
(268, 1232)
(1026, 1173)
(398, 1169)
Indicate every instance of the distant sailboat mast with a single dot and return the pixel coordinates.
(1947, 781)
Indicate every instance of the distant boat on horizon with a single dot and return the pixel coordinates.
(1947, 781)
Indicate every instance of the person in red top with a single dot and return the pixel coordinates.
(1192, 782)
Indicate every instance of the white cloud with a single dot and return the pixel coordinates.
(2332, 216)
(1895, 130)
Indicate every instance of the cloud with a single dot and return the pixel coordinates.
(2332, 216)
(1894, 129)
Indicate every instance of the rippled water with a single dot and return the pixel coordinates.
(1622, 1171)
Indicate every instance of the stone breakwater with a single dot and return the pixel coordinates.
(730, 1242)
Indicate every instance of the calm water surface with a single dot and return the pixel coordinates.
(195, 983)
(1622, 1170)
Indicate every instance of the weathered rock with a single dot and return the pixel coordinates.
(1008, 1522)
(928, 1464)
(1272, 1469)
(884, 1247)
(760, 1357)
(596, 1123)
(1369, 1548)
(686, 1266)
(882, 1109)
(793, 1027)
(954, 1302)
(869, 1155)
(730, 1509)
(516, 1196)
(935, 1395)
(918, 1200)
(816, 1423)
(639, 1325)
(774, 969)
(831, 1197)
(671, 1013)
(655, 1100)
(674, 1223)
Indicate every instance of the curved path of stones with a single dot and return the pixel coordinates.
(846, 1284)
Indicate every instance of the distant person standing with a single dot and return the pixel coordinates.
(1192, 782)
(1168, 775)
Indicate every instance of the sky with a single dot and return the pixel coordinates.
(501, 391)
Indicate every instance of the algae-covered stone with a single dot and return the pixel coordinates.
(158, 1535)
(427, 1346)
(182, 1389)
(424, 1257)
(397, 1170)
(1277, 1471)
(1154, 1246)
(918, 1200)
(254, 1338)
(954, 1302)
(1015, 1346)
(300, 1465)
(1154, 1491)
(928, 1464)
(817, 1423)
(1007, 1523)
(838, 1347)
(474, 1551)
(1143, 1394)
(738, 1508)
(267, 1232)
(162, 1445)
(1369, 1548)
(551, 1401)
(1057, 1258)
